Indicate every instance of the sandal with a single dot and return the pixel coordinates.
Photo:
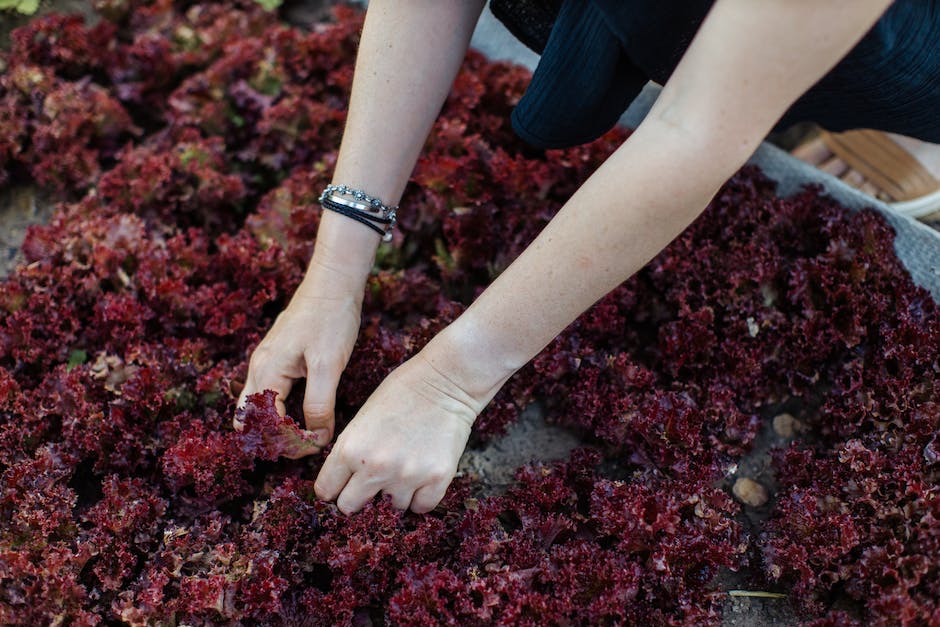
(892, 168)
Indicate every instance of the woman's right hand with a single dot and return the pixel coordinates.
(312, 338)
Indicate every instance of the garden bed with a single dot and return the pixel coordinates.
(189, 142)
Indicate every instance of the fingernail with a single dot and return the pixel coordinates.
(321, 435)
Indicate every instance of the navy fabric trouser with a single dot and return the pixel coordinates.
(600, 53)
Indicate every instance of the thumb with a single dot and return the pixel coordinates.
(319, 399)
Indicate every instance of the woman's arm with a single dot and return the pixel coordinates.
(749, 62)
(747, 65)
(409, 54)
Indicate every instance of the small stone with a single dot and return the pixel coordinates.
(750, 492)
(932, 451)
(752, 328)
(785, 425)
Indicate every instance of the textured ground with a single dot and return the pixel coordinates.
(20, 206)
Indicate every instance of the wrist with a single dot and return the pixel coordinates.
(465, 353)
(325, 279)
(343, 256)
(346, 245)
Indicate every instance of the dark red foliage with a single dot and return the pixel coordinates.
(211, 462)
(191, 141)
(183, 180)
(872, 533)
(125, 528)
(64, 44)
(58, 131)
(547, 552)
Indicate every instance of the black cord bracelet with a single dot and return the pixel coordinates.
(371, 221)
(365, 209)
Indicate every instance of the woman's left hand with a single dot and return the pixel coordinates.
(405, 441)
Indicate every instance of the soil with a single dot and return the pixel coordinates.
(757, 612)
(304, 13)
(20, 206)
(529, 439)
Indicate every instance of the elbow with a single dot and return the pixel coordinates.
(708, 126)
(704, 143)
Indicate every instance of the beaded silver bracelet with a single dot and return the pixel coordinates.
(374, 214)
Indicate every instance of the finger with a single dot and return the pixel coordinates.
(401, 498)
(319, 401)
(334, 474)
(427, 497)
(357, 492)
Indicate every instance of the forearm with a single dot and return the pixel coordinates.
(409, 54)
(598, 239)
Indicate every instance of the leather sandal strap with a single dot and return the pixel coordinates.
(884, 163)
